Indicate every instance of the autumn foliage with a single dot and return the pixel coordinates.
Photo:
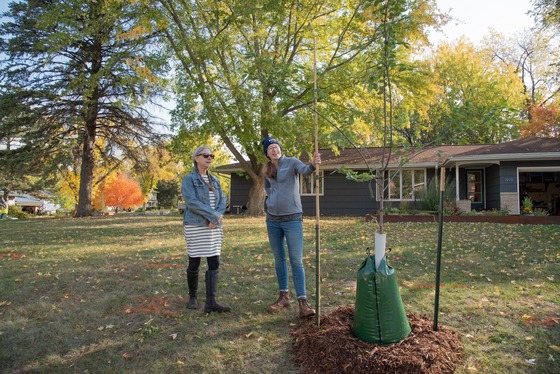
(123, 193)
(544, 121)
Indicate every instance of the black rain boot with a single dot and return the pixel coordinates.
(211, 285)
(192, 281)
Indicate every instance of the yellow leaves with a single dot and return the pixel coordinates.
(554, 348)
(134, 33)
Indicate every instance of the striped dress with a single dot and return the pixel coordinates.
(201, 240)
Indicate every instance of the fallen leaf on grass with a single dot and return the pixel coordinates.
(173, 336)
(555, 347)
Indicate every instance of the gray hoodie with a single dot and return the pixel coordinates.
(283, 191)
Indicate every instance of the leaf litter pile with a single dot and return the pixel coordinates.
(332, 347)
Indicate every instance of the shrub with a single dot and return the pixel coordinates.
(450, 209)
(431, 194)
(15, 211)
(540, 212)
(527, 205)
(496, 212)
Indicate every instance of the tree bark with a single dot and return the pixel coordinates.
(86, 175)
(255, 205)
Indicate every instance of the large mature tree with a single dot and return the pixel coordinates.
(534, 55)
(246, 69)
(81, 71)
(547, 13)
(477, 99)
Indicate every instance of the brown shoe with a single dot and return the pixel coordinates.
(305, 309)
(283, 301)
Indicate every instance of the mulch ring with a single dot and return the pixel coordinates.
(332, 347)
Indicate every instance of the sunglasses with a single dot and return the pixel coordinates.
(206, 155)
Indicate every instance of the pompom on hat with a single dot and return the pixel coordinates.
(268, 141)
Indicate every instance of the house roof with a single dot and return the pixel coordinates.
(23, 199)
(435, 156)
(28, 201)
(533, 148)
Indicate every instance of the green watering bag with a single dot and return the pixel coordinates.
(379, 315)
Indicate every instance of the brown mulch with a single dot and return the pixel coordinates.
(332, 347)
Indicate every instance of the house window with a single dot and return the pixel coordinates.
(474, 186)
(307, 184)
(404, 184)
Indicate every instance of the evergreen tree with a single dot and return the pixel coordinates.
(80, 71)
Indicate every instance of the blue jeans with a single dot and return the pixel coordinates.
(290, 232)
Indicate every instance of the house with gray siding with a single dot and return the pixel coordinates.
(486, 177)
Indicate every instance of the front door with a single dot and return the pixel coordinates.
(475, 188)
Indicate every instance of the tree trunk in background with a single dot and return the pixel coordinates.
(86, 177)
(255, 205)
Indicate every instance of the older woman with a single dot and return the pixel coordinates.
(205, 204)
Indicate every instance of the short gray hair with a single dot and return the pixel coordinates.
(197, 152)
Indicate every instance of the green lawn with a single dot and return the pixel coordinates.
(109, 294)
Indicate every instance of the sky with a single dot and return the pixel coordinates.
(476, 17)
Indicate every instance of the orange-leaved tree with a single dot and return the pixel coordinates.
(544, 121)
(123, 193)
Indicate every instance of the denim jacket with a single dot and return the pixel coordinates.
(197, 200)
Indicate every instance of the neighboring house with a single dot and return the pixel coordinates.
(152, 201)
(31, 204)
(495, 176)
